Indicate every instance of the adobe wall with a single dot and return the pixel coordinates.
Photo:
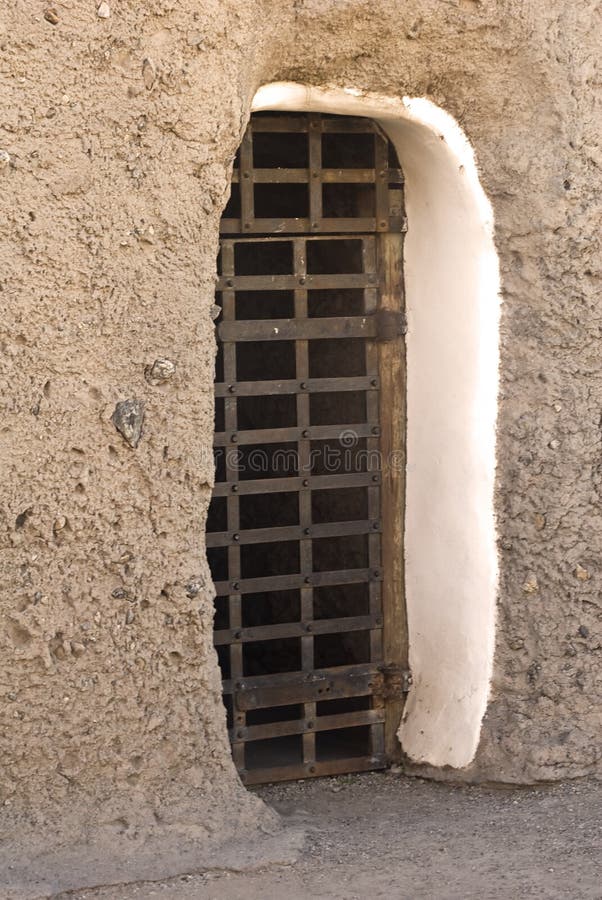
(119, 134)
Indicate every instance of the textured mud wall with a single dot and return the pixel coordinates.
(118, 126)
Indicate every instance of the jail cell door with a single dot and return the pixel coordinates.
(305, 526)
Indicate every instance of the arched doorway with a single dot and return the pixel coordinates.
(451, 285)
(305, 536)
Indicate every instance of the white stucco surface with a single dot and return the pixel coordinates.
(452, 296)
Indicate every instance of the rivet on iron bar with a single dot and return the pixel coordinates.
(307, 580)
(307, 531)
(240, 685)
(234, 488)
(375, 573)
(305, 482)
(303, 386)
(235, 585)
(374, 382)
(229, 282)
(310, 724)
(245, 174)
(309, 627)
(375, 478)
(232, 388)
(240, 734)
(376, 430)
(236, 537)
(305, 433)
(302, 280)
(234, 438)
(238, 635)
(375, 526)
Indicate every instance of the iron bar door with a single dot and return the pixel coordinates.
(305, 535)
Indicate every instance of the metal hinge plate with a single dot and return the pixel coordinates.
(390, 324)
(395, 681)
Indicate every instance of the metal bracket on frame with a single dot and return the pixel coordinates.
(395, 682)
(390, 324)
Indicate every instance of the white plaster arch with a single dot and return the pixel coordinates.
(452, 295)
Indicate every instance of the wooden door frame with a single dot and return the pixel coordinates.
(392, 369)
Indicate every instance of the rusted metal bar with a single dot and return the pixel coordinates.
(290, 282)
(298, 483)
(327, 176)
(355, 672)
(309, 385)
(304, 629)
(304, 450)
(286, 435)
(315, 687)
(313, 770)
(247, 197)
(296, 580)
(292, 532)
(232, 503)
(297, 225)
(298, 123)
(300, 329)
(289, 238)
(301, 726)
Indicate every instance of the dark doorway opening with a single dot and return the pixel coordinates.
(305, 520)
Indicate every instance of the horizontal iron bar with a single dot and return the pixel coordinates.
(284, 435)
(312, 690)
(300, 225)
(304, 726)
(310, 386)
(296, 580)
(291, 533)
(300, 123)
(298, 329)
(307, 238)
(326, 176)
(295, 629)
(296, 483)
(287, 679)
(291, 282)
(313, 769)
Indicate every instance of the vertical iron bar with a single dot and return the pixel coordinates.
(232, 502)
(247, 180)
(315, 171)
(381, 181)
(304, 456)
(374, 493)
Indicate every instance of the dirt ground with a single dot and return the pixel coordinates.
(388, 836)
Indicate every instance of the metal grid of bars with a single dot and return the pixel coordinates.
(375, 180)
(284, 723)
